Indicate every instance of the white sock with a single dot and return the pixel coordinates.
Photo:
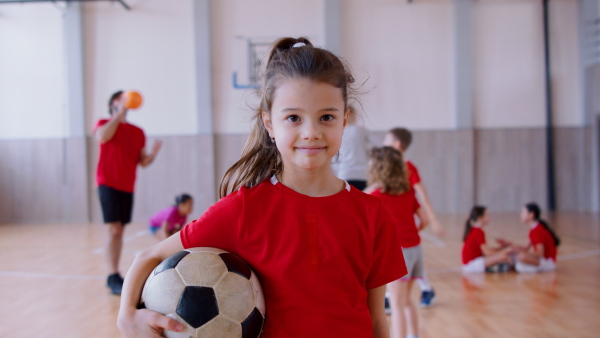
(424, 284)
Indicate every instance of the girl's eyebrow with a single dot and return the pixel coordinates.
(285, 110)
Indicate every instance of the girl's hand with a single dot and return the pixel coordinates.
(437, 228)
(146, 323)
(503, 243)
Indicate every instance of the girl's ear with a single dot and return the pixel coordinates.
(346, 116)
(266, 119)
(398, 145)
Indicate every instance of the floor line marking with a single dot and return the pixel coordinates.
(48, 275)
(577, 255)
(431, 238)
(137, 235)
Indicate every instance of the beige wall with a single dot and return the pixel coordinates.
(402, 50)
(236, 20)
(149, 49)
(32, 69)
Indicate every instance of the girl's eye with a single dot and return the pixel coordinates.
(327, 118)
(293, 118)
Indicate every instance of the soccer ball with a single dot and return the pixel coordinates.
(211, 291)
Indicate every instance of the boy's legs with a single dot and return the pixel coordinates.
(427, 292)
(114, 244)
(116, 210)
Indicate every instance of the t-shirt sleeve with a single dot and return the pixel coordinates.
(535, 237)
(387, 262)
(480, 238)
(99, 124)
(413, 173)
(219, 227)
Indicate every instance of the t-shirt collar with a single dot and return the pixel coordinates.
(274, 181)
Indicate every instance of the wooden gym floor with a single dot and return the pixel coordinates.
(52, 282)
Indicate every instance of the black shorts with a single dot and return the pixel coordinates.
(116, 205)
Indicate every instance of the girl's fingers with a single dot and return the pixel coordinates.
(167, 323)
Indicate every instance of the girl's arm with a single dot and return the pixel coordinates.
(145, 323)
(436, 227)
(532, 258)
(106, 132)
(145, 159)
(423, 217)
(376, 303)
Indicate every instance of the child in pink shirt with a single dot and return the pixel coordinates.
(170, 220)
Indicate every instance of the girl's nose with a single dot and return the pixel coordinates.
(311, 131)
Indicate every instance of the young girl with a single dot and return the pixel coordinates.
(387, 171)
(477, 256)
(400, 139)
(170, 220)
(323, 250)
(540, 254)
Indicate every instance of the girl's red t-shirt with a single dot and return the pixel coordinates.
(539, 235)
(472, 246)
(403, 208)
(316, 257)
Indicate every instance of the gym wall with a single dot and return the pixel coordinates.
(403, 52)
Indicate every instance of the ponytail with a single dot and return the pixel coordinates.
(536, 211)
(476, 212)
(547, 227)
(289, 58)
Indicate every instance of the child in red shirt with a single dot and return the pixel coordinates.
(387, 171)
(400, 139)
(323, 250)
(540, 254)
(476, 254)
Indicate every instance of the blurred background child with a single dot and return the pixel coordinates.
(352, 161)
(477, 256)
(387, 171)
(170, 220)
(400, 139)
(540, 254)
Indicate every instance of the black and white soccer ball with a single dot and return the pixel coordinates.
(211, 291)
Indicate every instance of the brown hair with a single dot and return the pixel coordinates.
(476, 212)
(388, 169)
(115, 96)
(403, 135)
(289, 58)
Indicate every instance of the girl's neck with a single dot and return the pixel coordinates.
(313, 183)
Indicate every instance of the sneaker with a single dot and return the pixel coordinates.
(504, 267)
(115, 283)
(388, 309)
(427, 298)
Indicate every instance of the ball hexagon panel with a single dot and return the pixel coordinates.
(197, 305)
(235, 297)
(220, 327)
(201, 272)
(164, 299)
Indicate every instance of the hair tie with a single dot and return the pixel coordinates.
(299, 44)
